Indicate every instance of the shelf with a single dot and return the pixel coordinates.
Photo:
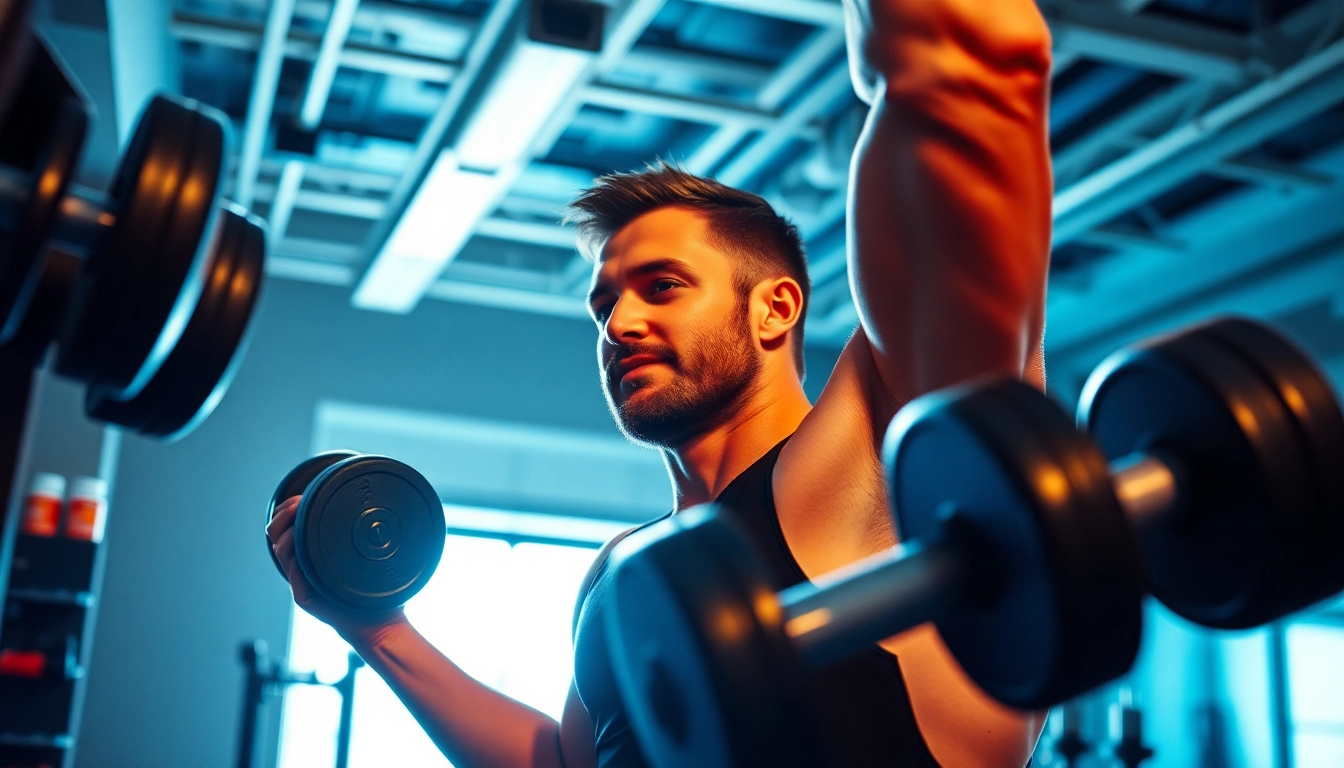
(39, 740)
(56, 596)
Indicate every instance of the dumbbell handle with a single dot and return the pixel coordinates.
(85, 213)
(1147, 488)
(874, 598)
(892, 591)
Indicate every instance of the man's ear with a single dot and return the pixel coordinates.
(781, 303)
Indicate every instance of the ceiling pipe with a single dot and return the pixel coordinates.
(1230, 128)
(328, 58)
(269, 58)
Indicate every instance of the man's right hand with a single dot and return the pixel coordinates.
(358, 629)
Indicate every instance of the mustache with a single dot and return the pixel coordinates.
(612, 366)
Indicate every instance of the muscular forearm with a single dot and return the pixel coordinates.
(951, 218)
(472, 724)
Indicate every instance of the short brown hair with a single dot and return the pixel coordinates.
(739, 222)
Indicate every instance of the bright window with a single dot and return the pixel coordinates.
(502, 611)
(1315, 683)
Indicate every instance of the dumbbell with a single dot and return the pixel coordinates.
(144, 245)
(195, 375)
(369, 530)
(1019, 548)
(16, 45)
(1228, 446)
(1037, 594)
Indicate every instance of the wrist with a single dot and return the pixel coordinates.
(367, 635)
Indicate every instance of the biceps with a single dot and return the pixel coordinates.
(951, 224)
(577, 749)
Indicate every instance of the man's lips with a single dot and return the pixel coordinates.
(627, 365)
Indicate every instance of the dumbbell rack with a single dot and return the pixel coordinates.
(143, 294)
(47, 584)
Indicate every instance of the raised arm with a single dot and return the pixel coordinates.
(950, 200)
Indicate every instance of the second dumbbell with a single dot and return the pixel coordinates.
(369, 531)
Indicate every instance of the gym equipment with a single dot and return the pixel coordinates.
(145, 264)
(39, 151)
(1038, 595)
(194, 377)
(1066, 735)
(369, 530)
(1126, 728)
(1232, 444)
(1020, 545)
(16, 44)
(165, 276)
(265, 678)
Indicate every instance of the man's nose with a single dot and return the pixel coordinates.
(625, 323)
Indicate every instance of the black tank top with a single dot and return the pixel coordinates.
(862, 701)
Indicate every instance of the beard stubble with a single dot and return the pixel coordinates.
(715, 376)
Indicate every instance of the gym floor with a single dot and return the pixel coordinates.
(1245, 220)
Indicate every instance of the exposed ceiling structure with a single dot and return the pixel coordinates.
(411, 150)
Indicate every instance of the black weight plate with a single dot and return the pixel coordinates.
(22, 248)
(1309, 398)
(708, 677)
(1230, 557)
(296, 482)
(369, 533)
(193, 379)
(140, 284)
(1056, 608)
(16, 45)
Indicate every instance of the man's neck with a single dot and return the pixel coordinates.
(704, 465)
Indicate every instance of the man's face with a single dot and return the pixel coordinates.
(675, 351)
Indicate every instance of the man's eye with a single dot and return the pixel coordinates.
(659, 286)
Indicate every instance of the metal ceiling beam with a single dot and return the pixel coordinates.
(1072, 160)
(431, 141)
(760, 152)
(619, 40)
(1128, 237)
(291, 260)
(657, 59)
(535, 233)
(286, 193)
(265, 79)
(1179, 48)
(1228, 129)
(243, 36)
(324, 68)
(821, 13)
(1261, 171)
(812, 54)
(324, 202)
(677, 107)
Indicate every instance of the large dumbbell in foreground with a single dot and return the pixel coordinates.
(1036, 591)
(369, 531)
(1005, 503)
(1228, 447)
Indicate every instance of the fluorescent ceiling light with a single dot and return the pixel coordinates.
(433, 229)
(526, 90)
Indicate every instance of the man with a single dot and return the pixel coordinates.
(699, 293)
